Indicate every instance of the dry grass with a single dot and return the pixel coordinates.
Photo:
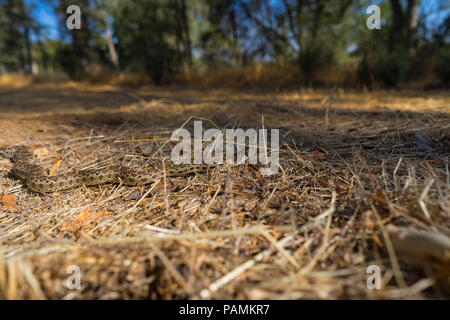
(273, 77)
(270, 76)
(257, 76)
(356, 169)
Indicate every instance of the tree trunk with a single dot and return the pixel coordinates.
(27, 67)
(187, 35)
(404, 25)
(112, 49)
(412, 15)
(80, 39)
(44, 56)
(109, 40)
(397, 23)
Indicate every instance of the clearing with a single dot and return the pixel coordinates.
(357, 167)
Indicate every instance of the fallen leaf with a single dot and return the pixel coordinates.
(81, 217)
(56, 163)
(64, 225)
(9, 203)
(380, 197)
(99, 215)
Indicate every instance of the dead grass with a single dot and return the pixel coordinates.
(270, 76)
(357, 168)
(258, 77)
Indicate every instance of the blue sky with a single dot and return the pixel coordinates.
(45, 15)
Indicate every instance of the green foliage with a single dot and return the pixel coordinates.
(442, 64)
(391, 68)
(52, 55)
(315, 57)
(14, 23)
(145, 32)
(166, 38)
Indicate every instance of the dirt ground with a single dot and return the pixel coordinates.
(364, 181)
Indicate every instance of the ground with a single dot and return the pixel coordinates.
(356, 168)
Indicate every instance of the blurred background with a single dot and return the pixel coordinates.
(231, 43)
(363, 118)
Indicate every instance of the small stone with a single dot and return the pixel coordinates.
(133, 196)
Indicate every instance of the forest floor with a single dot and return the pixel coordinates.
(364, 180)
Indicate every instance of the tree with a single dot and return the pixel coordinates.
(405, 20)
(182, 30)
(80, 53)
(146, 33)
(103, 18)
(313, 31)
(16, 27)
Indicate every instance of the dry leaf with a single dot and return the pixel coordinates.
(99, 215)
(56, 163)
(81, 217)
(380, 197)
(9, 203)
(64, 225)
